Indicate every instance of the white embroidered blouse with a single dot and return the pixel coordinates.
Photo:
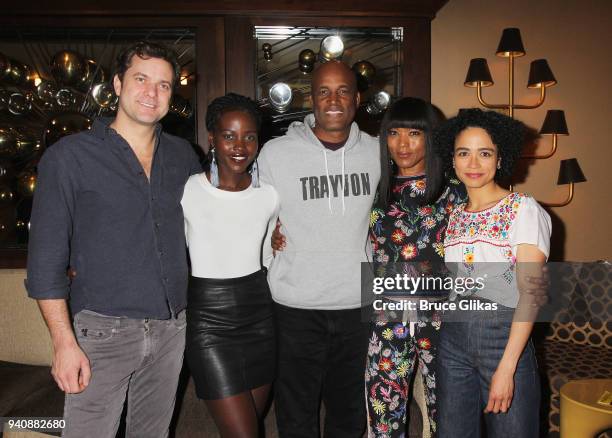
(484, 243)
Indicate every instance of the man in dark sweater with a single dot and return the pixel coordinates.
(107, 207)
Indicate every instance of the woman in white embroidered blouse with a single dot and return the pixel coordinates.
(487, 358)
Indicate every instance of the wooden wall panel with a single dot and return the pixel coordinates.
(354, 8)
(416, 59)
(240, 56)
(210, 58)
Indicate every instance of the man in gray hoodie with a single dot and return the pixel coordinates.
(326, 172)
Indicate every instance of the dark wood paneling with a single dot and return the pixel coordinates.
(416, 59)
(330, 21)
(13, 258)
(210, 58)
(107, 22)
(240, 56)
(359, 8)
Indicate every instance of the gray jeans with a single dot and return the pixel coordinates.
(140, 358)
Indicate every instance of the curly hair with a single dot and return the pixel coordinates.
(147, 50)
(507, 134)
(231, 102)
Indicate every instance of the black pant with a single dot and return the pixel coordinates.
(322, 356)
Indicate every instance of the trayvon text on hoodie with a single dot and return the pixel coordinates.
(325, 202)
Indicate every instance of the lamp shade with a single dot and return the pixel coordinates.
(478, 72)
(570, 172)
(554, 123)
(540, 74)
(510, 43)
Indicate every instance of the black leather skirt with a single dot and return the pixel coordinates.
(231, 343)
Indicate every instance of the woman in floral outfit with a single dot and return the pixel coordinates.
(407, 225)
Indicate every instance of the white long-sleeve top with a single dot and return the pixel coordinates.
(228, 233)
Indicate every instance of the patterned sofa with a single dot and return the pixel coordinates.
(578, 342)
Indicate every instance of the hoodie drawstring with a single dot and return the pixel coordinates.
(328, 180)
(342, 195)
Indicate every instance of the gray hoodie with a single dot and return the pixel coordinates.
(326, 232)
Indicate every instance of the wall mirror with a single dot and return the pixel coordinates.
(286, 57)
(53, 82)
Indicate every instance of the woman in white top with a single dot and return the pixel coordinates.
(486, 357)
(230, 345)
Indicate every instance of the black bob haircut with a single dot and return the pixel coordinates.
(411, 113)
(231, 102)
(507, 134)
(146, 50)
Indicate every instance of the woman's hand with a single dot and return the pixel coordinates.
(278, 239)
(501, 391)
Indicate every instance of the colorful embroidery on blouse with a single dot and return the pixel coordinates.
(508, 275)
(468, 258)
(491, 226)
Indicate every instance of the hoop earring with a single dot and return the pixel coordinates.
(214, 170)
(255, 175)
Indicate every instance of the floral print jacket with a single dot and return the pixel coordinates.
(408, 232)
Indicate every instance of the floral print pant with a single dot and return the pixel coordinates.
(392, 355)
